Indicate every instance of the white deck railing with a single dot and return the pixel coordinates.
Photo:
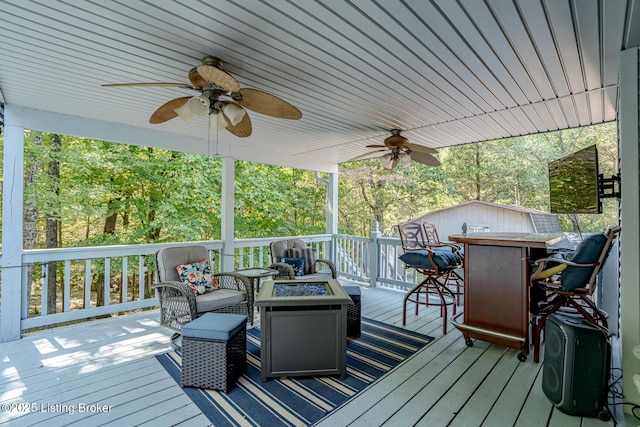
(123, 275)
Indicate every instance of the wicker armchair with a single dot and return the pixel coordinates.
(317, 268)
(178, 303)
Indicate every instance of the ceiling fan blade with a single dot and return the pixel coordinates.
(159, 84)
(264, 103)
(424, 158)
(420, 148)
(370, 155)
(196, 80)
(376, 146)
(242, 129)
(221, 78)
(167, 110)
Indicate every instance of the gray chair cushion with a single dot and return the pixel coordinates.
(212, 301)
(281, 248)
(168, 259)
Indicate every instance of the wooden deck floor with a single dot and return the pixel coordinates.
(53, 377)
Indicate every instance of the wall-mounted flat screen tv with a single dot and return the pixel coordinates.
(573, 183)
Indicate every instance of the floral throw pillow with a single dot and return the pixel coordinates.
(198, 276)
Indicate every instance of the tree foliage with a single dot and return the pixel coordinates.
(275, 201)
(370, 193)
(515, 170)
(109, 193)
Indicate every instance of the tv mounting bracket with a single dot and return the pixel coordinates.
(609, 187)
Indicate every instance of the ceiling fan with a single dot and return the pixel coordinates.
(221, 95)
(400, 151)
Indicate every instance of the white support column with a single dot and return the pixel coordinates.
(630, 214)
(374, 255)
(332, 204)
(332, 214)
(227, 212)
(12, 218)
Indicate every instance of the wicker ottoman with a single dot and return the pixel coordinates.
(353, 310)
(214, 351)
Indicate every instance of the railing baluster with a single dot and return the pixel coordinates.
(25, 300)
(142, 268)
(125, 279)
(87, 283)
(67, 286)
(107, 281)
(241, 258)
(44, 289)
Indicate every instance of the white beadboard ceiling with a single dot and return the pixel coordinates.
(446, 72)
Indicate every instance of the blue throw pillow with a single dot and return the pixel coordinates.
(296, 263)
(587, 251)
(444, 258)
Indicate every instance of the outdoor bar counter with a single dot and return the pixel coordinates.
(497, 295)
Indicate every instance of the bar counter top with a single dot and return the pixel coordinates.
(531, 240)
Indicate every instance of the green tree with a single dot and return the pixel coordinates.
(370, 193)
(121, 194)
(515, 170)
(276, 201)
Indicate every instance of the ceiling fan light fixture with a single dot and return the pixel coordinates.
(221, 120)
(387, 161)
(234, 113)
(184, 112)
(196, 106)
(199, 105)
(405, 159)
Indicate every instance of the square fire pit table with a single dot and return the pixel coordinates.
(303, 328)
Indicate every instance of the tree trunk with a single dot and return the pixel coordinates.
(52, 221)
(375, 201)
(154, 234)
(478, 177)
(110, 222)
